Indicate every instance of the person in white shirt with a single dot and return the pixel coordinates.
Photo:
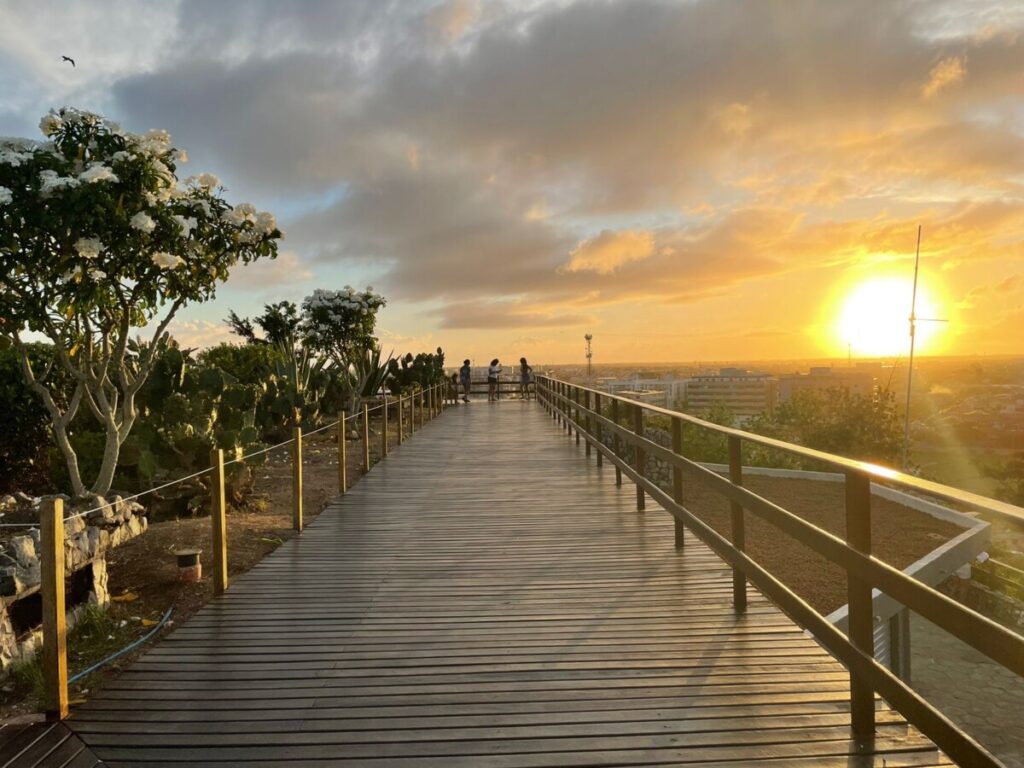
(493, 372)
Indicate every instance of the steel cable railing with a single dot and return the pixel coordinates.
(414, 410)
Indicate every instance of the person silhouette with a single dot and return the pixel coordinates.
(493, 374)
(524, 378)
(466, 379)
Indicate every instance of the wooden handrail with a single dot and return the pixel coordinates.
(863, 570)
(840, 463)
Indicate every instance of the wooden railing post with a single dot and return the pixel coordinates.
(55, 633)
(401, 418)
(297, 478)
(577, 420)
(598, 433)
(586, 419)
(342, 455)
(640, 455)
(218, 517)
(858, 598)
(567, 409)
(677, 479)
(366, 437)
(616, 444)
(422, 409)
(384, 427)
(739, 534)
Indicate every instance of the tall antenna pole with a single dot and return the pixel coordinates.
(910, 369)
(590, 354)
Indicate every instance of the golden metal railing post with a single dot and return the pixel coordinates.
(598, 432)
(384, 427)
(677, 479)
(55, 631)
(218, 518)
(616, 444)
(297, 478)
(586, 419)
(861, 614)
(737, 524)
(640, 455)
(366, 438)
(342, 455)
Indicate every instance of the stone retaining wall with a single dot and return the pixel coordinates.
(86, 541)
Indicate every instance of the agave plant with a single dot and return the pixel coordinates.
(367, 375)
(297, 385)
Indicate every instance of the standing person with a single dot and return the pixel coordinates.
(453, 389)
(524, 378)
(466, 378)
(493, 372)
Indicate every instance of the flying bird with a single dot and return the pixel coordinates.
(68, 58)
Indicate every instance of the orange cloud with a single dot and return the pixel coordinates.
(609, 250)
(944, 74)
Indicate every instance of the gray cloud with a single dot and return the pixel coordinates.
(447, 123)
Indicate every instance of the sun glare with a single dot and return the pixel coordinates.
(874, 318)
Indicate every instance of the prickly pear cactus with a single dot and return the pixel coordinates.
(187, 411)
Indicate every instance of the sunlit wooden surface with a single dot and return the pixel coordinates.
(487, 596)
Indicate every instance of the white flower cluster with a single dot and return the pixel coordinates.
(263, 221)
(89, 247)
(51, 123)
(207, 181)
(166, 260)
(14, 152)
(187, 224)
(143, 222)
(202, 205)
(97, 172)
(153, 142)
(79, 273)
(50, 182)
(328, 309)
(6, 196)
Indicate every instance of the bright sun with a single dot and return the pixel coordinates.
(874, 318)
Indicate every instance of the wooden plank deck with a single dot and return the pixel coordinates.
(486, 597)
(43, 745)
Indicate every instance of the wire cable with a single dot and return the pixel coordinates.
(123, 651)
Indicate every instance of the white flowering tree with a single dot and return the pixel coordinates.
(97, 238)
(340, 325)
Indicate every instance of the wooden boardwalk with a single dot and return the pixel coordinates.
(486, 597)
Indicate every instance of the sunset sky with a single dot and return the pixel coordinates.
(684, 180)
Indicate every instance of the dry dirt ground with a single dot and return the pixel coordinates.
(899, 535)
(145, 570)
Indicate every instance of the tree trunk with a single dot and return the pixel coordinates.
(60, 434)
(111, 451)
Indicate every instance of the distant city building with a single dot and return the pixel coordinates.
(744, 393)
(668, 392)
(857, 381)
